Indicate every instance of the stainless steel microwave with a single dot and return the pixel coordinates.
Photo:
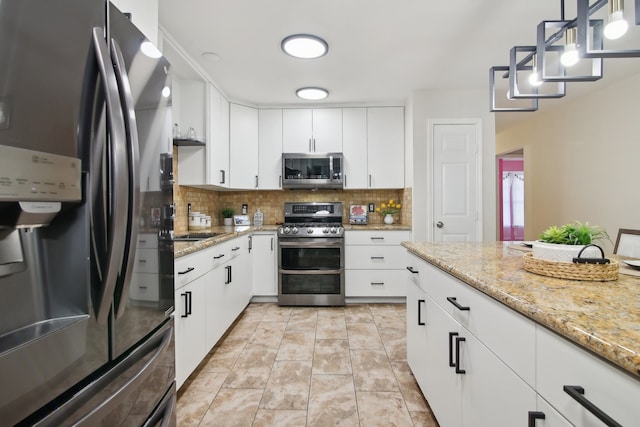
(301, 170)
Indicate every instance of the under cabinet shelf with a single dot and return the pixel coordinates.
(188, 142)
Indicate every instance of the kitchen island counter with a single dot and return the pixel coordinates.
(603, 317)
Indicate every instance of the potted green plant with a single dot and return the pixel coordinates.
(227, 214)
(565, 242)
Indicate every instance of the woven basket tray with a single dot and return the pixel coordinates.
(572, 271)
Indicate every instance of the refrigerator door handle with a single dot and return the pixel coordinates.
(126, 100)
(163, 414)
(157, 344)
(118, 176)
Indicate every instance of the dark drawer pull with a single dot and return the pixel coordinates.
(235, 249)
(377, 257)
(188, 270)
(577, 393)
(377, 283)
(458, 341)
(377, 238)
(219, 256)
(454, 301)
(451, 361)
(420, 322)
(412, 270)
(533, 416)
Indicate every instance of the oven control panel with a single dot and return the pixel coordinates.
(314, 231)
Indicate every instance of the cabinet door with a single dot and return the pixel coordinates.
(218, 143)
(215, 325)
(296, 131)
(243, 136)
(492, 394)
(385, 154)
(327, 130)
(264, 264)
(190, 334)
(443, 389)
(270, 150)
(354, 147)
(416, 334)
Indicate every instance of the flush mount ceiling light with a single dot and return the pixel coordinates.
(312, 93)
(304, 46)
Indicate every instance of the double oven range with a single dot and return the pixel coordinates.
(311, 255)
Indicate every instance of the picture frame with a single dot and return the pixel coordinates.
(358, 214)
(627, 243)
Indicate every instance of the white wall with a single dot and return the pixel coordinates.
(449, 104)
(582, 160)
(144, 15)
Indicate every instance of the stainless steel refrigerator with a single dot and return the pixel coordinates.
(86, 219)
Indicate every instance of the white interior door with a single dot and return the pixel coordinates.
(457, 182)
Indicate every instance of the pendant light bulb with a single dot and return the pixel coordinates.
(570, 57)
(534, 77)
(616, 26)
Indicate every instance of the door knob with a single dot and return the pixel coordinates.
(439, 224)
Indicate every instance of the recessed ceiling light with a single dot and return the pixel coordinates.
(305, 46)
(312, 93)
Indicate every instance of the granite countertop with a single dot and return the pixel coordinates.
(376, 227)
(227, 233)
(603, 317)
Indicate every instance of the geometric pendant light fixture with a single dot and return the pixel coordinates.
(500, 98)
(525, 76)
(615, 16)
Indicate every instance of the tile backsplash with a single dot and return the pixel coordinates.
(271, 202)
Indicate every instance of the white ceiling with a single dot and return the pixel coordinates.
(380, 51)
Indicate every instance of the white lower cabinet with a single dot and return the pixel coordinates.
(264, 262)
(465, 382)
(213, 286)
(573, 380)
(375, 263)
(190, 317)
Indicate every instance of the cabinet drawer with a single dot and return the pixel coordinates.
(373, 237)
(508, 334)
(375, 257)
(416, 269)
(144, 287)
(561, 363)
(373, 283)
(192, 266)
(147, 240)
(146, 261)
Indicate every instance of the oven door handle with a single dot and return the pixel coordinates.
(316, 272)
(324, 243)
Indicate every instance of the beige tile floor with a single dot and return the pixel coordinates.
(308, 366)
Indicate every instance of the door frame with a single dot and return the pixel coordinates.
(431, 123)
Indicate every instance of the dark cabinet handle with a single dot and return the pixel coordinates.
(420, 322)
(222, 176)
(533, 416)
(577, 393)
(412, 270)
(458, 341)
(219, 256)
(455, 302)
(228, 279)
(451, 335)
(188, 270)
(237, 248)
(377, 257)
(187, 304)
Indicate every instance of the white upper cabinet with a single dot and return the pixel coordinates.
(243, 137)
(270, 149)
(312, 131)
(385, 155)
(218, 143)
(354, 138)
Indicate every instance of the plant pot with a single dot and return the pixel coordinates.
(228, 221)
(388, 219)
(562, 253)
